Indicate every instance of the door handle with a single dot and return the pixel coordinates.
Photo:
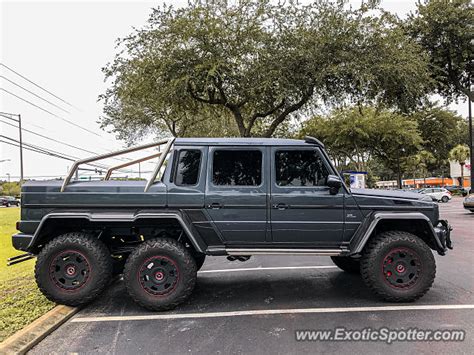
(280, 206)
(214, 206)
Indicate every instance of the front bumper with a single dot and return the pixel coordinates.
(443, 232)
(21, 241)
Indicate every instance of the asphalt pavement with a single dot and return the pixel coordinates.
(257, 307)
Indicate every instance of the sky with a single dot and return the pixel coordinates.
(62, 46)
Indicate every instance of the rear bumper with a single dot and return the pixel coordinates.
(21, 241)
(443, 232)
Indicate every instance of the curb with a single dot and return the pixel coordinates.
(33, 333)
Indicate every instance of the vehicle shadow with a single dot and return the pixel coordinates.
(275, 289)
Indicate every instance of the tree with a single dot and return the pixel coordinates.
(460, 154)
(441, 129)
(258, 63)
(11, 189)
(359, 134)
(445, 29)
(425, 158)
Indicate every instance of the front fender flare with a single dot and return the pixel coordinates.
(360, 239)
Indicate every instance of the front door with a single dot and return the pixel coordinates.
(302, 209)
(236, 193)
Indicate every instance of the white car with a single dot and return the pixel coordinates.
(437, 194)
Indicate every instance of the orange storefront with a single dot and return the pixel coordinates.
(435, 181)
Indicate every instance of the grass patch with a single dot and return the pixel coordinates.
(20, 300)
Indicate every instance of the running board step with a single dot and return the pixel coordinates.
(270, 251)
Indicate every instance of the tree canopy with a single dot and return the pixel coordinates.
(445, 30)
(243, 68)
(360, 134)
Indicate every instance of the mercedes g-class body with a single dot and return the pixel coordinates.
(234, 197)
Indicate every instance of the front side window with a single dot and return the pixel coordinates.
(187, 171)
(300, 168)
(237, 168)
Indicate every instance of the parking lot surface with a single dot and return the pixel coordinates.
(256, 307)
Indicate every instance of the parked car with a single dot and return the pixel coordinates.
(8, 201)
(464, 191)
(437, 194)
(469, 203)
(223, 197)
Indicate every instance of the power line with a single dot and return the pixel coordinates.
(38, 86)
(34, 150)
(51, 113)
(51, 139)
(54, 153)
(32, 93)
(58, 141)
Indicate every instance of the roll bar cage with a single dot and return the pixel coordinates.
(167, 148)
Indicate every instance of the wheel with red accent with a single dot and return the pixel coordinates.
(160, 274)
(73, 269)
(398, 266)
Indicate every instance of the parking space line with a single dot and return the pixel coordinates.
(268, 268)
(264, 312)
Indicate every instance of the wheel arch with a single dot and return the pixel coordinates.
(64, 222)
(412, 222)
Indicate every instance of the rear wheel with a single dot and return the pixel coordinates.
(398, 266)
(73, 269)
(160, 274)
(347, 264)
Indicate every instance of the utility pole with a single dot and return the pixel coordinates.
(21, 150)
(18, 120)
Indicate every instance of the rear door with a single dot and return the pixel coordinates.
(236, 193)
(302, 209)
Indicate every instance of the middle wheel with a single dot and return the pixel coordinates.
(160, 274)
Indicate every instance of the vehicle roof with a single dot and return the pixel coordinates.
(241, 141)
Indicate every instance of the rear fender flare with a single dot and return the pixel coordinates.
(192, 235)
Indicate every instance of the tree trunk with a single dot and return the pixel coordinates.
(462, 175)
(399, 174)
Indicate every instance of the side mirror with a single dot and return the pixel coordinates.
(334, 183)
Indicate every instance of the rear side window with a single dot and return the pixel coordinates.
(187, 170)
(237, 168)
(300, 168)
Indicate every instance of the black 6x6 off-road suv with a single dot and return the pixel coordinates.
(229, 197)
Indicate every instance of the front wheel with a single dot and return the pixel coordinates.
(444, 199)
(398, 266)
(160, 274)
(73, 269)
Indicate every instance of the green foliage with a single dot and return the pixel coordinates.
(459, 153)
(10, 189)
(362, 133)
(20, 300)
(243, 68)
(445, 29)
(441, 129)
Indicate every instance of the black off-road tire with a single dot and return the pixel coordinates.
(160, 274)
(347, 264)
(86, 255)
(408, 249)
